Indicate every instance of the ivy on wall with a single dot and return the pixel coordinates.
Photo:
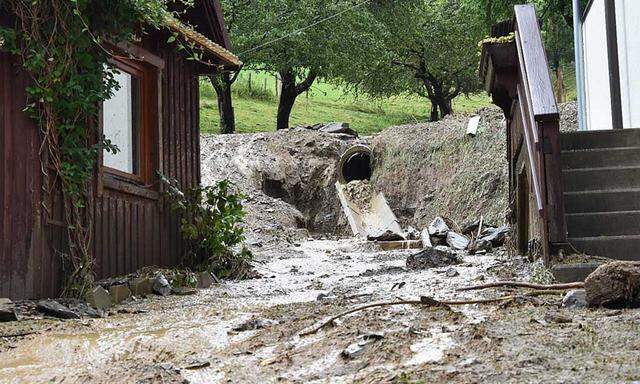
(65, 47)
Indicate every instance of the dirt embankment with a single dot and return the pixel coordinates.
(424, 170)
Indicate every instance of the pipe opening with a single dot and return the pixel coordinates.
(355, 164)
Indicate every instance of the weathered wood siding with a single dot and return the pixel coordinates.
(129, 231)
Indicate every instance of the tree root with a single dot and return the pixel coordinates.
(424, 301)
(516, 284)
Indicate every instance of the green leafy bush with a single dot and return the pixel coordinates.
(211, 224)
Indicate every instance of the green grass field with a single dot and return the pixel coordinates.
(256, 110)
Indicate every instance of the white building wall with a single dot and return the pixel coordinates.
(628, 30)
(596, 65)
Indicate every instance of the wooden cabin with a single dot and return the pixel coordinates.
(154, 120)
(572, 192)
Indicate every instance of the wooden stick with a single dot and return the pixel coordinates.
(424, 302)
(517, 284)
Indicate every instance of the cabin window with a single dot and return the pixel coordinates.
(121, 123)
(130, 122)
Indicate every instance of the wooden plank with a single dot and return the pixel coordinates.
(535, 61)
(97, 237)
(5, 261)
(188, 158)
(112, 250)
(128, 254)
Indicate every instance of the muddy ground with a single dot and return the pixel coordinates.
(309, 274)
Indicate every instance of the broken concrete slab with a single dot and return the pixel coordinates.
(433, 257)
(576, 298)
(457, 241)
(614, 285)
(141, 286)
(119, 293)
(99, 298)
(338, 128)
(55, 309)
(426, 238)
(161, 286)
(438, 227)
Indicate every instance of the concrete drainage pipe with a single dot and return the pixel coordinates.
(355, 164)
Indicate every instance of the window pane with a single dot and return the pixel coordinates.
(120, 122)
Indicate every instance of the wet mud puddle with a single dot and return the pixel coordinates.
(247, 331)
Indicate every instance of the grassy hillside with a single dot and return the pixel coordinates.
(256, 107)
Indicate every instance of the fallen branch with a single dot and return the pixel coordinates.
(516, 284)
(424, 301)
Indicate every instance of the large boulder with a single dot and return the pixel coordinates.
(432, 257)
(614, 285)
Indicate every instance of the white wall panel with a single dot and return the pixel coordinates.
(628, 30)
(598, 93)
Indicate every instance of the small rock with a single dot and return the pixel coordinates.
(457, 241)
(433, 257)
(452, 272)
(161, 286)
(205, 280)
(614, 285)
(141, 286)
(556, 317)
(99, 298)
(184, 291)
(412, 234)
(576, 298)
(426, 239)
(387, 235)
(7, 314)
(438, 227)
(355, 349)
(55, 309)
(119, 293)
(4, 301)
(197, 364)
(255, 324)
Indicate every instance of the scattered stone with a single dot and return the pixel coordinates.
(161, 286)
(614, 285)
(457, 241)
(55, 309)
(197, 364)
(355, 349)
(325, 296)
(141, 286)
(106, 283)
(130, 311)
(556, 317)
(7, 314)
(426, 238)
(205, 280)
(184, 291)
(480, 246)
(438, 227)
(387, 235)
(4, 301)
(576, 298)
(452, 272)
(412, 234)
(99, 298)
(496, 236)
(85, 310)
(119, 293)
(255, 324)
(471, 228)
(433, 257)
(338, 128)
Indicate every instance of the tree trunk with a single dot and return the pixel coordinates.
(289, 91)
(445, 106)
(434, 111)
(560, 88)
(222, 85)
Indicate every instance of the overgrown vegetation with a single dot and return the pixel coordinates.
(211, 223)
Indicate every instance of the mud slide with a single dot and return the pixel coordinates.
(368, 212)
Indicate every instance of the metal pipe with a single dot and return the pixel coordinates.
(579, 61)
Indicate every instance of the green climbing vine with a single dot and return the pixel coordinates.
(65, 46)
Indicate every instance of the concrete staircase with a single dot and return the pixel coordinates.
(601, 178)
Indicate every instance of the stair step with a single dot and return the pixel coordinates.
(601, 157)
(600, 139)
(615, 247)
(605, 178)
(603, 224)
(602, 201)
